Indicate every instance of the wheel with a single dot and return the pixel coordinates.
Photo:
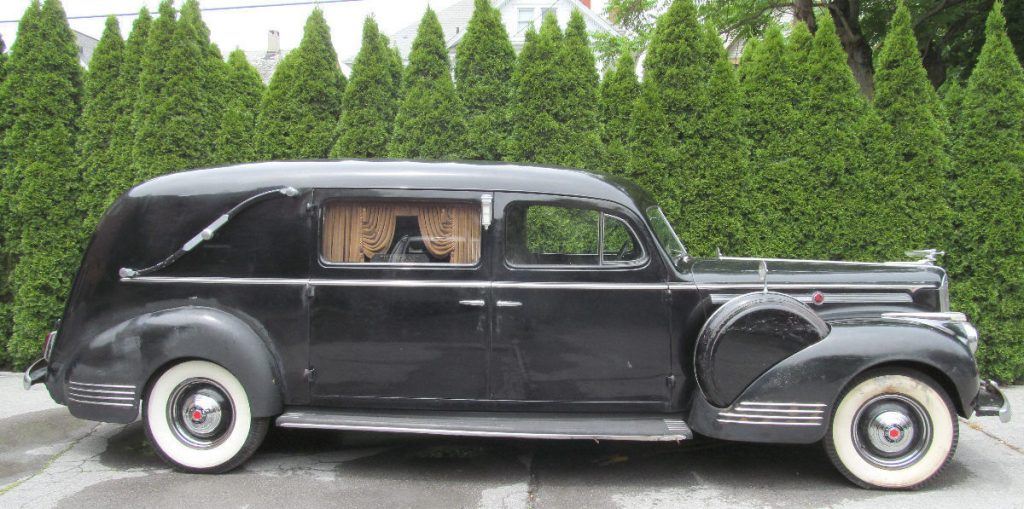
(198, 419)
(894, 430)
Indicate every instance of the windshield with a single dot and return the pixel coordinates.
(666, 235)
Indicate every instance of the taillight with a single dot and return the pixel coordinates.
(48, 345)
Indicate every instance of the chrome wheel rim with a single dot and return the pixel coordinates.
(892, 431)
(201, 413)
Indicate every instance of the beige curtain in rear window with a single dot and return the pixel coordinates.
(356, 231)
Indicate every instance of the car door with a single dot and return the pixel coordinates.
(399, 291)
(581, 309)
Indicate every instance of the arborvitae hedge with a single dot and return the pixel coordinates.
(300, 109)
(431, 119)
(213, 78)
(579, 97)
(777, 184)
(8, 256)
(619, 91)
(171, 100)
(689, 78)
(908, 103)
(237, 126)
(988, 263)
(123, 141)
(536, 130)
(103, 108)
(952, 94)
(45, 83)
(370, 101)
(484, 62)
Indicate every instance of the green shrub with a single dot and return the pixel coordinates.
(300, 110)
(430, 123)
(988, 263)
(370, 100)
(44, 87)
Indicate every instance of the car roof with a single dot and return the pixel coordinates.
(396, 174)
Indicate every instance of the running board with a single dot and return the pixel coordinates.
(649, 427)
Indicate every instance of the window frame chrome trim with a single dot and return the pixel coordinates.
(639, 263)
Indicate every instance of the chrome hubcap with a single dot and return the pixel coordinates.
(200, 413)
(892, 431)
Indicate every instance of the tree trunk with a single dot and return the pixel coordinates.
(931, 57)
(846, 14)
(803, 11)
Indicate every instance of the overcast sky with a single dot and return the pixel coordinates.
(247, 28)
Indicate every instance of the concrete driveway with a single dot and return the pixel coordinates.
(50, 459)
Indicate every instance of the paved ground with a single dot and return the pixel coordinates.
(48, 458)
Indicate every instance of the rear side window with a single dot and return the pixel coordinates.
(546, 235)
(401, 232)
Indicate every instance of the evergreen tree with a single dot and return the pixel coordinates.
(370, 100)
(619, 91)
(909, 104)
(430, 123)
(300, 110)
(212, 75)
(952, 94)
(236, 132)
(536, 131)
(988, 264)
(579, 98)
(777, 191)
(45, 88)
(484, 62)
(123, 141)
(170, 104)
(689, 78)
(104, 106)
(6, 250)
(397, 68)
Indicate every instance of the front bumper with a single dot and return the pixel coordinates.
(992, 401)
(34, 374)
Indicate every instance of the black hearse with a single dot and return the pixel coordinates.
(492, 300)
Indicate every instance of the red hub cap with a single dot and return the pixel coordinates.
(894, 434)
(197, 415)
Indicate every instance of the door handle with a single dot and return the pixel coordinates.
(508, 303)
(477, 303)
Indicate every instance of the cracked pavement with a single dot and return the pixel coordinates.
(50, 459)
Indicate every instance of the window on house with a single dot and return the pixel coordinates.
(544, 12)
(524, 19)
(554, 235)
(401, 232)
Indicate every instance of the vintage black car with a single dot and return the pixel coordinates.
(493, 300)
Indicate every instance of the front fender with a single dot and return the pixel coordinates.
(121, 360)
(811, 380)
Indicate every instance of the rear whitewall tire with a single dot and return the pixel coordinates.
(239, 438)
(854, 459)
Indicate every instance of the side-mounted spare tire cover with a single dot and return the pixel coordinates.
(747, 336)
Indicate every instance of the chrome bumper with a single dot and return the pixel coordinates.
(992, 401)
(35, 373)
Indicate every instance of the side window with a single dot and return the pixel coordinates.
(393, 232)
(547, 235)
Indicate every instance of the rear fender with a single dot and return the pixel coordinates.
(123, 359)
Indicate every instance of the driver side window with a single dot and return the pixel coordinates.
(548, 235)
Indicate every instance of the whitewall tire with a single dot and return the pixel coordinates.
(893, 430)
(198, 418)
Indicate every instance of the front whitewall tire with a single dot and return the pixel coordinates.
(850, 455)
(240, 438)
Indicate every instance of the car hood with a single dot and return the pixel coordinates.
(782, 274)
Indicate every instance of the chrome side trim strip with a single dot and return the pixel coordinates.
(826, 262)
(101, 391)
(104, 403)
(834, 298)
(400, 283)
(742, 408)
(773, 417)
(765, 423)
(100, 398)
(109, 386)
(767, 403)
(814, 286)
(952, 317)
(580, 286)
